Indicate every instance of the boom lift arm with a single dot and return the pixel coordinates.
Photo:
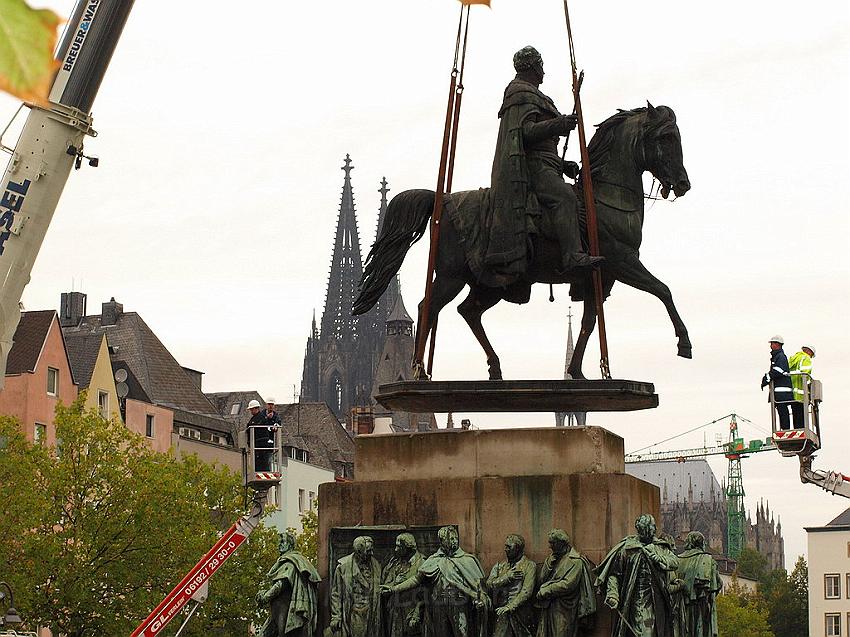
(261, 470)
(194, 587)
(831, 481)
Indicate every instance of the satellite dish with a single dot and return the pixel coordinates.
(122, 388)
(120, 375)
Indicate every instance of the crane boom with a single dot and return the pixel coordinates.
(50, 144)
(193, 586)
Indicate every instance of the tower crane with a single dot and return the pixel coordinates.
(735, 450)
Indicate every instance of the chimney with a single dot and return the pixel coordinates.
(195, 376)
(72, 309)
(110, 312)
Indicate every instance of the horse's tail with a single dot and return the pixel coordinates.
(404, 224)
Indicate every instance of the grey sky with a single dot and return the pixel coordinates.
(222, 133)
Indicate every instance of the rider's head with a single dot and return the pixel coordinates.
(529, 63)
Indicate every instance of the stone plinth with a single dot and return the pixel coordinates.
(456, 453)
(492, 483)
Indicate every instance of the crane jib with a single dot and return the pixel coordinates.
(192, 582)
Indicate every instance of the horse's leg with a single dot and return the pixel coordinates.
(480, 300)
(588, 322)
(444, 289)
(635, 274)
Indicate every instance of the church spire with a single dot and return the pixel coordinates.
(346, 268)
(570, 347)
(376, 317)
(571, 418)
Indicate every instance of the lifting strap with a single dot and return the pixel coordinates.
(590, 204)
(445, 173)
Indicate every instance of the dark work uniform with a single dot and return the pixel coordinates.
(783, 392)
(263, 439)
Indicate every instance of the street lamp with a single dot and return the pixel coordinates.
(11, 616)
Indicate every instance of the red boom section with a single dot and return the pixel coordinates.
(195, 578)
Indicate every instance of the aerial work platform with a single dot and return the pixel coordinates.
(517, 395)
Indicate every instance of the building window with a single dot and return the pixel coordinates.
(301, 503)
(52, 381)
(234, 410)
(149, 425)
(103, 404)
(833, 624)
(312, 500)
(847, 587)
(40, 433)
(832, 586)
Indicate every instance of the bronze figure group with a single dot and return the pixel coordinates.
(448, 595)
(651, 591)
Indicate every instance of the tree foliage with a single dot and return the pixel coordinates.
(752, 564)
(27, 41)
(787, 599)
(97, 531)
(307, 541)
(741, 613)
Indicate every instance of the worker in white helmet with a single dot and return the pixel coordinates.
(262, 436)
(780, 376)
(800, 366)
(272, 416)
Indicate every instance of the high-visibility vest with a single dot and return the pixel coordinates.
(799, 365)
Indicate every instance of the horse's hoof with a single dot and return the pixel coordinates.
(495, 374)
(685, 351)
(577, 375)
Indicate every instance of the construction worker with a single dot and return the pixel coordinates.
(780, 376)
(262, 436)
(272, 417)
(800, 366)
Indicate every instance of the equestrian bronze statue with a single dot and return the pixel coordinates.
(529, 227)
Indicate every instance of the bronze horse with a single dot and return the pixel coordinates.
(622, 148)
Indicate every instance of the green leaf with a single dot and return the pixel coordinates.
(27, 41)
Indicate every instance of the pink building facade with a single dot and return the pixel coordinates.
(38, 375)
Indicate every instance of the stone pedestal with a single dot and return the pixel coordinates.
(491, 483)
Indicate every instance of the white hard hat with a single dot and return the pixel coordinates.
(811, 347)
(253, 404)
(777, 339)
(270, 400)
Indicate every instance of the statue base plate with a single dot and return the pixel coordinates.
(517, 395)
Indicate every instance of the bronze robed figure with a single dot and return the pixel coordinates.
(356, 594)
(699, 584)
(292, 598)
(511, 584)
(456, 604)
(634, 578)
(402, 611)
(566, 598)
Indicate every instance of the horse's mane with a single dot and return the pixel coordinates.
(599, 148)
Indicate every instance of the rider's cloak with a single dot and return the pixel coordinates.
(512, 201)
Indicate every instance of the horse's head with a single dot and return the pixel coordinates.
(662, 150)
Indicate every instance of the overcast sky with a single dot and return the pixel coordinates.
(222, 131)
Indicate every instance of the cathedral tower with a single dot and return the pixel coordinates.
(342, 353)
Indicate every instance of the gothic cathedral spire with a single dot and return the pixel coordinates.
(571, 418)
(346, 269)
